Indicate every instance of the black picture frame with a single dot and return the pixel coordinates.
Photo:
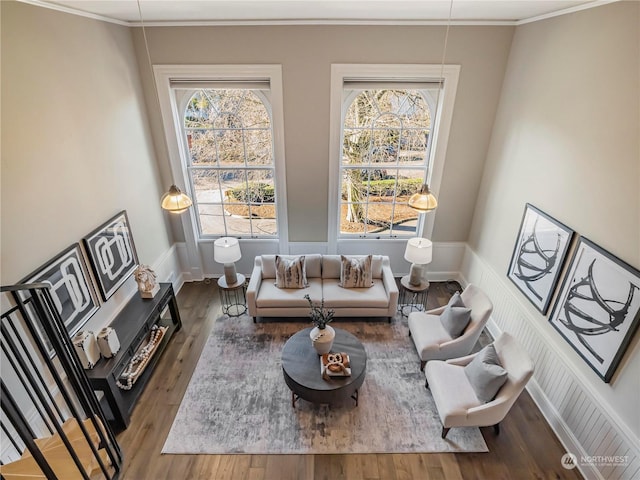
(598, 308)
(71, 289)
(538, 256)
(112, 253)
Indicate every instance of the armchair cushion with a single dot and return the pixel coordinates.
(486, 374)
(455, 320)
(456, 301)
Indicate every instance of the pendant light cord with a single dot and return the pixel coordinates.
(180, 201)
(440, 83)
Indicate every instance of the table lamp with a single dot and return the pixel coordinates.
(226, 250)
(419, 253)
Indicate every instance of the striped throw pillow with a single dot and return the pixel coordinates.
(355, 272)
(291, 272)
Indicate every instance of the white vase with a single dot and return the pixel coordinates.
(322, 340)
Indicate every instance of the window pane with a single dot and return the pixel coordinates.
(385, 132)
(212, 221)
(202, 148)
(258, 147)
(231, 129)
(198, 111)
(413, 147)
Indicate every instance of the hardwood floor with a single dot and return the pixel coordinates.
(525, 448)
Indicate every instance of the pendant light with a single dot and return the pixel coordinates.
(174, 201)
(424, 200)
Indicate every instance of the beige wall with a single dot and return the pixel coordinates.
(566, 138)
(306, 54)
(76, 147)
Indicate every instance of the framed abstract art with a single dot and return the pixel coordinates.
(71, 288)
(598, 308)
(112, 253)
(539, 253)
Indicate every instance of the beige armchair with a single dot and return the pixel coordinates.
(431, 339)
(455, 398)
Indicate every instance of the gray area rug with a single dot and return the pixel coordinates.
(237, 400)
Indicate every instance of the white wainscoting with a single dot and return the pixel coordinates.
(581, 420)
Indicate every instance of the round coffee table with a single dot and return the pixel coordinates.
(301, 369)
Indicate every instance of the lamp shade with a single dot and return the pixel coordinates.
(424, 200)
(226, 250)
(175, 201)
(419, 251)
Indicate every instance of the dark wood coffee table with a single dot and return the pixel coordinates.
(301, 369)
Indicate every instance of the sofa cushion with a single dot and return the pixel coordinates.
(455, 320)
(290, 272)
(486, 374)
(355, 272)
(337, 297)
(332, 264)
(270, 296)
(312, 265)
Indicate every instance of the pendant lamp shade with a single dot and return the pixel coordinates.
(175, 201)
(423, 200)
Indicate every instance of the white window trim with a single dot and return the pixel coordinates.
(448, 74)
(164, 75)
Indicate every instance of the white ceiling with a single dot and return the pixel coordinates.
(184, 12)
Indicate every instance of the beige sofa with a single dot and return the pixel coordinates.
(264, 299)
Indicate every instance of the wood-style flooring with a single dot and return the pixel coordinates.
(525, 448)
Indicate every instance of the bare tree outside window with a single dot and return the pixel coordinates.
(228, 134)
(384, 160)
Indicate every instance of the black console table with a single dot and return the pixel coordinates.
(132, 325)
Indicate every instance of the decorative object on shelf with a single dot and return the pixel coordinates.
(112, 253)
(147, 281)
(87, 349)
(226, 250)
(538, 256)
(108, 342)
(322, 334)
(335, 365)
(139, 361)
(419, 252)
(598, 307)
(71, 289)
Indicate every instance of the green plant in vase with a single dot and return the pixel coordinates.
(320, 316)
(322, 334)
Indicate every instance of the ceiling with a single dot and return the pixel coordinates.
(186, 12)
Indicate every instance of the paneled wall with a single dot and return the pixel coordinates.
(582, 419)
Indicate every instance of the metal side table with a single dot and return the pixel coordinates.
(233, 297)
(412, 297)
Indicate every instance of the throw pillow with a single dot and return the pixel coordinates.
(455, 320)
(456, 300)
(486, 374)
(355, 272)
(291, 272)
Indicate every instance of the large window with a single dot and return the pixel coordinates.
(385, 157)
(388, 135)
(228, 139)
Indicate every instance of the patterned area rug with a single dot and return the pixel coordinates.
(237, 400)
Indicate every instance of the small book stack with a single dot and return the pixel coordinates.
(335, 365)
